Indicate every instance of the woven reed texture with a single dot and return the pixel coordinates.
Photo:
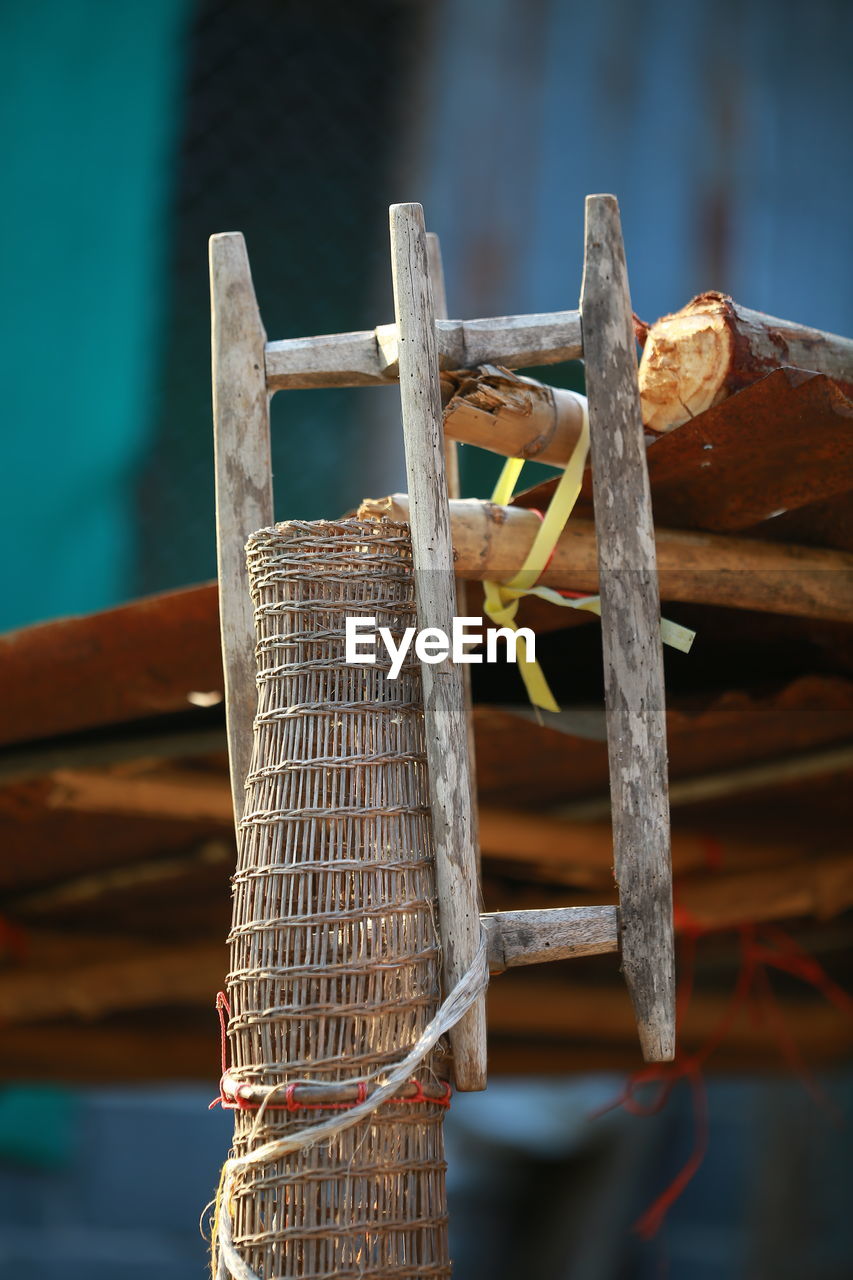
(333, 948)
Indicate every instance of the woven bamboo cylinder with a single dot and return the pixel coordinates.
(333, 947)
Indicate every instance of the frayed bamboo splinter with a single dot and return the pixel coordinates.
(514, 416)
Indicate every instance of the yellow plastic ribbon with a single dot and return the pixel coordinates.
(502, 598)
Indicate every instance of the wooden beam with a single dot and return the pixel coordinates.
(542, 1005)
(490, 542)
(454, 829)
(128, 877)
(185, 795)
(118, 1053)
(582, 852)
(728, 782)
(630, 630)
(821, 887)
(244, 501)
(186, 974)
(92, 1053)
(522, 1055)
(43, 1012)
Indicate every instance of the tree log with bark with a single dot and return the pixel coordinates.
(713, 347)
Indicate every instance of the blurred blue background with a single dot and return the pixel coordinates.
(133, 131)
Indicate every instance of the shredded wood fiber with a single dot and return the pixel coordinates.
(334, 952)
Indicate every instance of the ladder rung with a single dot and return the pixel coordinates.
(557, 933)
(369, 357)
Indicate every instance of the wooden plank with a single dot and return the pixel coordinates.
(129, 1048)
(527, 765)
(369, 357)
(95, 1053)
(490, 542)
(92, 976)
(630, 629)
(540, 1004)
(112, 882)
(518, 938)
(244, 502)
(511, 1055)
(444, 709)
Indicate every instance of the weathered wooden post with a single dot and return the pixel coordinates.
(630, 632)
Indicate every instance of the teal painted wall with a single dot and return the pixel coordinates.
(89, 108)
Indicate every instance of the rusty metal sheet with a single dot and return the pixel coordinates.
(821, 524)
(142, 659)
(782, 444)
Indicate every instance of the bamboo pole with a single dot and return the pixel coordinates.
(491, 542)
(514, 416)
(711, 348)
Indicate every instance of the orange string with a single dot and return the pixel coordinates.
(773, 948)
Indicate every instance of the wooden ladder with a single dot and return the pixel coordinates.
(248, 370)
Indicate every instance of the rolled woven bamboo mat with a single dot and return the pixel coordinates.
(333, 948)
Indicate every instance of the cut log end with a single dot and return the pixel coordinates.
(684, 366)
(714, 347)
